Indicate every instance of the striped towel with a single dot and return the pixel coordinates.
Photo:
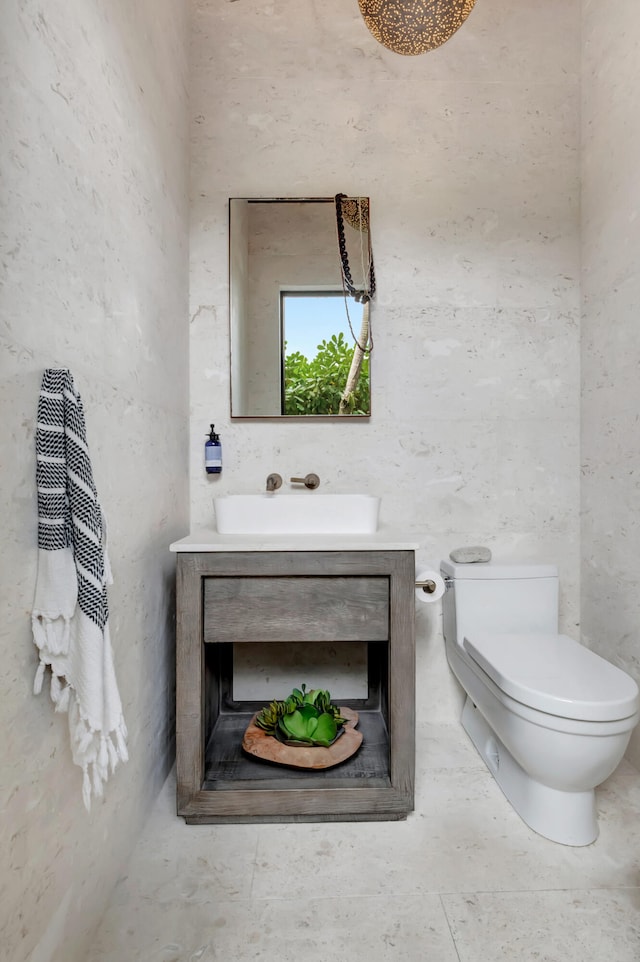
(70, 611)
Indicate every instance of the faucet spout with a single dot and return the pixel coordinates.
(310, 481)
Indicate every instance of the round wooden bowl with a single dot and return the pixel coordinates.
(258, 743)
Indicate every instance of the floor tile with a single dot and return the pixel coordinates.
(445, 747)
(464, 837)
(584, 926)
(361, 930)
(174, 862)
(462, 867)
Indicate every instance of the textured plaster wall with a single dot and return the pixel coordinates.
(93, 236)
(611, 345)
(470, 157)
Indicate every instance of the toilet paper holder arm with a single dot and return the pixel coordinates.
(430, 586)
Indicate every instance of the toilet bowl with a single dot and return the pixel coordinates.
(550, 718)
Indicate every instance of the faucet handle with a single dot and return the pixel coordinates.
(310, 481)
(274, 481)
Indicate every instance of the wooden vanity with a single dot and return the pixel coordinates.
(232, 590)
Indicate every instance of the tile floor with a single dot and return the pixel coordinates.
(462, 880)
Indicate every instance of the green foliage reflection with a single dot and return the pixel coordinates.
(316, 386)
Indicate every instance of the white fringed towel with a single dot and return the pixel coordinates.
(70, 611)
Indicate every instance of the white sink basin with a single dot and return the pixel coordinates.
(304, 513)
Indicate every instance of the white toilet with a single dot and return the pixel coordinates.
(550, 718)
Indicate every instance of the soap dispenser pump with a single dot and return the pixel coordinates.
(213, 453)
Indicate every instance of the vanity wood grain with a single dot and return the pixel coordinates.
(342, 596)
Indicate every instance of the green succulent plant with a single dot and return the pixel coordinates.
(303, 718)
(269, 717)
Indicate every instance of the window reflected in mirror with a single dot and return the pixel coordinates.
(318, 331)
(294, 325)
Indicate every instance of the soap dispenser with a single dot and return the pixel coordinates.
(213, 453)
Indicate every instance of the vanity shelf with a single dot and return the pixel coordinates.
(229, 597)
(227, 767)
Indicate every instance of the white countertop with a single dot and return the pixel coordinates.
(385, 539)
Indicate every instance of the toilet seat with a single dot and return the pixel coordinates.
(555, 674)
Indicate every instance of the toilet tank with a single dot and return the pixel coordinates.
(499, 598)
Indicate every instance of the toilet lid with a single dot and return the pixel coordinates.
(555, 674)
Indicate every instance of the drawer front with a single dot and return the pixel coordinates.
(296, 609)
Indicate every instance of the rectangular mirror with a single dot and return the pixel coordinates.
(300, 286)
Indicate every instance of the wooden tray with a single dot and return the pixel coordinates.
(258, 743)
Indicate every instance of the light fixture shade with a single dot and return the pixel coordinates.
(411, 27)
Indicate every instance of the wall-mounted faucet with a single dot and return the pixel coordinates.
(310, 481)
(274, 481)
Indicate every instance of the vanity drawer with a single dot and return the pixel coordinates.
(296, 608)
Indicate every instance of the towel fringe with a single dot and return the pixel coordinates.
(97, 781)
(55, 689)
(51, 634)
(63, 702)
(121, 734)
(86, 788)
(113, 755)
(103, 757)
(84, 742)
(39, 678)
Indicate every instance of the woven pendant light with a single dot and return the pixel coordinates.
(411, 27)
